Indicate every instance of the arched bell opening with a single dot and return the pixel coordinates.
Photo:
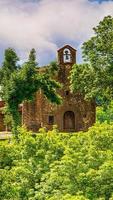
(67, 55)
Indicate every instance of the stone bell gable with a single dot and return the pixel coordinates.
(66, 55)
(66, 58)
(74, 114)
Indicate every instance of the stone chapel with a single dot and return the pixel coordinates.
(74, 114)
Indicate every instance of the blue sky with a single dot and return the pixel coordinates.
(47, 25)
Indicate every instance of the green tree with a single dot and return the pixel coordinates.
(95, 79)
(21, 83)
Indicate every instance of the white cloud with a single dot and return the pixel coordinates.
(42, 24)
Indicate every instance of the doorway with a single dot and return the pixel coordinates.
(69, 121)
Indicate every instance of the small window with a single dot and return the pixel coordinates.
(51, 119)
(84, 115)
(67, 92)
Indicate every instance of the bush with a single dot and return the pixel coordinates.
(53, 165)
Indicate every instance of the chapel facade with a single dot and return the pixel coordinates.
(74, 114)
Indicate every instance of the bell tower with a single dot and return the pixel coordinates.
(66, 59)
(67, 55)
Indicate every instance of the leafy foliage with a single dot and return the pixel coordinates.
(82, 80)
(95, 79)
(53, 165)
(105, 113)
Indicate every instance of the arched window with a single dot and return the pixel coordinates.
(66, 55)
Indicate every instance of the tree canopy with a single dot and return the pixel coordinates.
(95, 78)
